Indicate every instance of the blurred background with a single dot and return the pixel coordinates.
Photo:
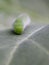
(38, 10)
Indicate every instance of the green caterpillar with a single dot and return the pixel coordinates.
(21, 23)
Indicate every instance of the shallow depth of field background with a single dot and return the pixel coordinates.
(37, 9)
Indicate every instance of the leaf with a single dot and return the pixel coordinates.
(29, 53)
(9, 43)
